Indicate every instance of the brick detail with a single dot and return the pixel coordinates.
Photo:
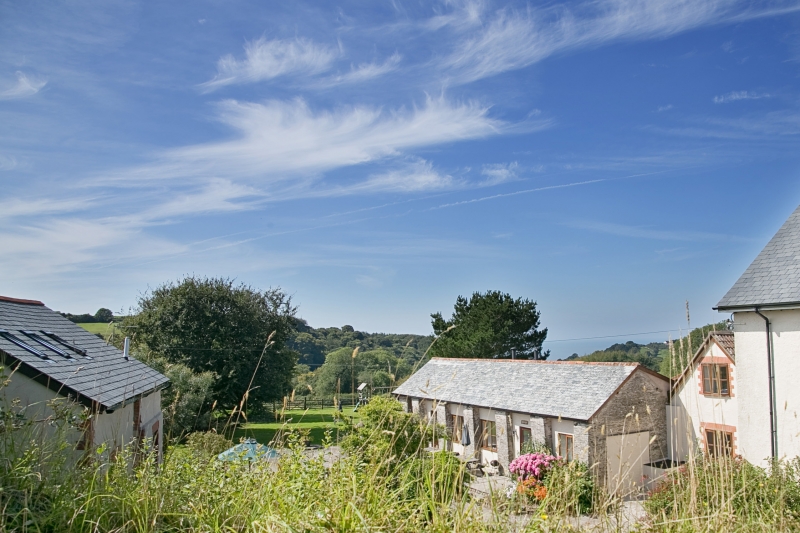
(718, 427)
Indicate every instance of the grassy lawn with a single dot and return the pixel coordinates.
(316, 421)
(98, 327)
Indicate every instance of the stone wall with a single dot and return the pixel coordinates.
(472, 420)
(640, 405)
(505, 439)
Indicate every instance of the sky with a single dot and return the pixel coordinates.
(609, 159)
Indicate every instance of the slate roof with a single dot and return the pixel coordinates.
(569, 389)
(103, 379)
(773, 278)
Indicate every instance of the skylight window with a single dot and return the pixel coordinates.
(11, 338)
(33, 336)
(65, 344)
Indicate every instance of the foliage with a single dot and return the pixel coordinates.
(570, 488)
(102, 315)
(682, 350)
(535, 446)
(386, 431)
(489, 325)
(212, 325)
(207, 444)
(186, 402)
(314, 343)
(657, 356)
(378, 368)
(728, 492)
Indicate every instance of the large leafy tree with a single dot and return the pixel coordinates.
(490, 325)
(212, 325)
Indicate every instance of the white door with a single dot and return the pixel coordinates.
(626, 456)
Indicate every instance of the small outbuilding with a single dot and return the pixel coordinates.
(45, 357)
(611, 416)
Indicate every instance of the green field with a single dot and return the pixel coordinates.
(316, 421)
(98, 327)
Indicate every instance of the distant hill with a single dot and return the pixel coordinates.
(314, 343)
(657, 356)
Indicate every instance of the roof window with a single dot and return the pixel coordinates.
(11, 338)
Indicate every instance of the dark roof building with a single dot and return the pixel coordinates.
(42, 345)
(773, 278)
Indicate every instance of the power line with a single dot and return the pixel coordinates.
(612, 336)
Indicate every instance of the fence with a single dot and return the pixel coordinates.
(321, 403)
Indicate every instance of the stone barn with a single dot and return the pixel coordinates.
(612, 416)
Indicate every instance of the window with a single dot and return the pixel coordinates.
(565, 446)
(458, 428)
(715, 380)
(525, 437)
(719, 443)
(488, 435)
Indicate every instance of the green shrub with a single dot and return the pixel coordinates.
(570, 489)
(729, 494)
(207, 443)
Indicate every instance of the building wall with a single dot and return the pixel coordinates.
(686, 429)
(639, 405)
(115, 429)
(753, 388)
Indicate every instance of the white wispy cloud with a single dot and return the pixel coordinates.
(25, 86)
(644, 232)
(511, 40)
(365, 71)
(277, 141)
(265, 60)
(663, 108)
(739, 95)
(499, 172)
(417, 176)
(20, 207)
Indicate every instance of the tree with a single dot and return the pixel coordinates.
(490, 325)
(210, 325)
(104, 315)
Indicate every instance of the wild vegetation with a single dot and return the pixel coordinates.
(661, 357)
(384, 481)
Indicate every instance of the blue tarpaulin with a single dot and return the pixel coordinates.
(248, 450)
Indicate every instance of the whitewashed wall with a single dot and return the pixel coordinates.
(753, 386)
(685, 428)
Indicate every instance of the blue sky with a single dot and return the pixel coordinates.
(608, 159)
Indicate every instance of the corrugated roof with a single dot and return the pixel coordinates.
(107, 378)
(574, 390)
(773, 278)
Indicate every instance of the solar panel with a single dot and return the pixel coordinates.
(65, 344)
(11, 338)
(33, 336)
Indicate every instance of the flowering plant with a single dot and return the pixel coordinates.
(532, 465)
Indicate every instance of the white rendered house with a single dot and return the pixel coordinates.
(703, 410)
(45, 357)
(765, 306)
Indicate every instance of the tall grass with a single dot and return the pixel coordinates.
(383, 481)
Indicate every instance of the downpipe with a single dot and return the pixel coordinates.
(773, 423)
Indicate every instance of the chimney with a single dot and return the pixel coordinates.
(126, 351)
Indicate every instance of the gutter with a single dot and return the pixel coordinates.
(773, 423)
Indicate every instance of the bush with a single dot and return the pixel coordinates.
(729, 494)
(570, 488)
(207, 444)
